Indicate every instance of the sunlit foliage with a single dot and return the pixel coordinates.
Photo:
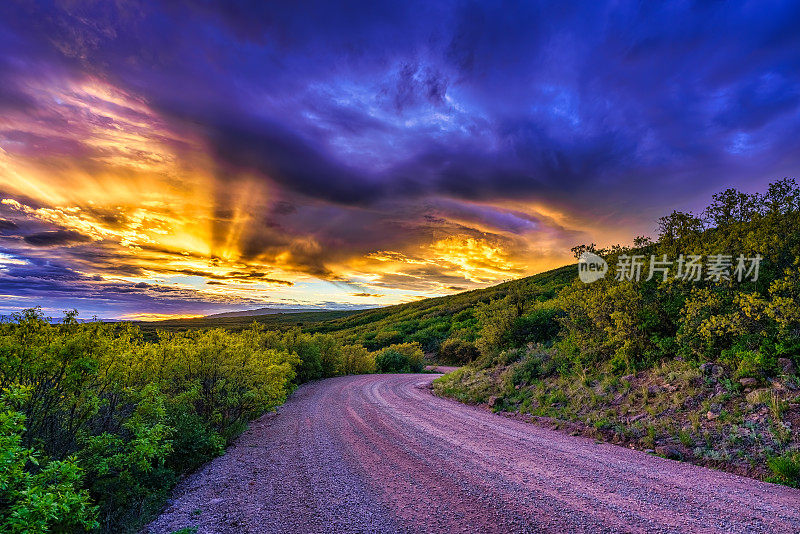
(99, 423)
(538, 349)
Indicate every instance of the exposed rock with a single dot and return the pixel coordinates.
(667, 451)
(711, 415)
(787, 366)
(748, 382)
(493, 401)
(717, 371)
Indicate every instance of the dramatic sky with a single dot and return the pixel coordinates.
(189, 157)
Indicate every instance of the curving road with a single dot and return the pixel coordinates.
(380, 453)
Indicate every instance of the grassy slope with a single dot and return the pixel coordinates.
(428, 321)
(272, 321)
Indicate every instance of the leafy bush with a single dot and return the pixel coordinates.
(536, 364)
(754, 364)
(134, 415)
(126, 469)
(357, 360)
(321, 355)
(37, 495)
(400, 358)
(466, 385)
(391, 361)
(496, 319)
(458, 351)
(194, 441)
(786, 469)
(539, 326)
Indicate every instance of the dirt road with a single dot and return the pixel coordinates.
(380, 453)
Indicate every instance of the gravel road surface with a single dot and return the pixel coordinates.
(380, 453)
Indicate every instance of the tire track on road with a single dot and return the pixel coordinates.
(380, 453)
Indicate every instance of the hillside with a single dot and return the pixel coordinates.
(692, 365)
(432, 321)
(429, 321)
(274, 321)
(259, 311)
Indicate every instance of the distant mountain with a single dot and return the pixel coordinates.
(263, 311)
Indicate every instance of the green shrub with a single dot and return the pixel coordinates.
(37, 495)
(391, 361)
(303, 346)
(535, 365)
(753, 364)
(400, 358)
(357, 360)
(126, 470)
(135, 415)
(496, 319)
(466, 384)
(458, 351)
(539, 326)
(194, 442)
(786, 469)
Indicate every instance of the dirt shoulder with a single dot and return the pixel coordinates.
(679, 410)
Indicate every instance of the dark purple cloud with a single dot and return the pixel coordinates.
(56, 238)
(552, 97)
(377, 126)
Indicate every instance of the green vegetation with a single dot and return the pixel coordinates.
(272, 321)
(429, 322)
(46, 497)
(786, 469)
(400, 358)
(101, 420)
(699, 370)
(97, 423)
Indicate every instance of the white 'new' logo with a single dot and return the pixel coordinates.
(591, 267)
